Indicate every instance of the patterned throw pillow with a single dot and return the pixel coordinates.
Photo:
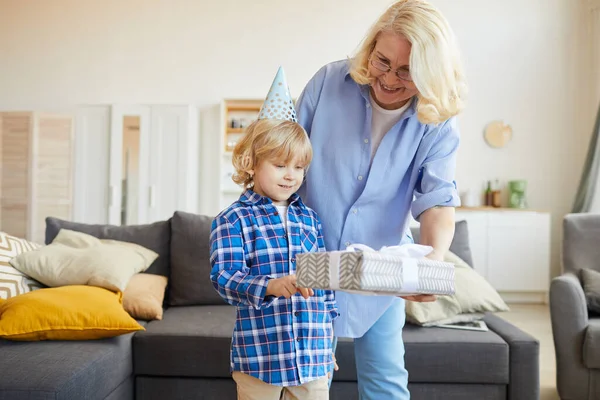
(13, 282)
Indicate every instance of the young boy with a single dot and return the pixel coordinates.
(282, 339)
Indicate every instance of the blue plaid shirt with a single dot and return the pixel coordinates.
(284, 342)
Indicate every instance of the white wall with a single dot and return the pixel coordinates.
(521, 57)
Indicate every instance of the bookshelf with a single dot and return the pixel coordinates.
(237, 115)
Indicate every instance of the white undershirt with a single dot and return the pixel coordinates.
(283, 214)
(382, 121)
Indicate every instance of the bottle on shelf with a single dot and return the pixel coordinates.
(488, 195)
(496, 200)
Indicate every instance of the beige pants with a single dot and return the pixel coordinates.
(251, 388)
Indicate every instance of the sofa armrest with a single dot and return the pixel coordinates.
(524, 353)
(569, 315)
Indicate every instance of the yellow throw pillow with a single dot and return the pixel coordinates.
(144, 295)
(65, 313)
(76, 258)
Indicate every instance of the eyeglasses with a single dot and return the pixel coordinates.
(378, 64)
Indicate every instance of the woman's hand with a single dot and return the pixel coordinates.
(421, 298)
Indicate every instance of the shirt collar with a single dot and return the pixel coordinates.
(250, 197)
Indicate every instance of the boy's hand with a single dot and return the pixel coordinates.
(335, 366)
(286, 287)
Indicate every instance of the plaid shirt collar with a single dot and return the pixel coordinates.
(250, 197)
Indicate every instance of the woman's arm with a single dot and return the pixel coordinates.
(437, 230)
(436, 196)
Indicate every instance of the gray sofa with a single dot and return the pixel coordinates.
(576, 331)
(186, 355)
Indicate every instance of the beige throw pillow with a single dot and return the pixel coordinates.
(76, 258)
(144, 295)
(474, 296)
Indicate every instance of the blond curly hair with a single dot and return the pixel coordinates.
(269, 140)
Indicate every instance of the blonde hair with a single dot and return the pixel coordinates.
(435, 65)
(269, 140)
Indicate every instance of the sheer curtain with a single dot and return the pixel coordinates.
(588, 194)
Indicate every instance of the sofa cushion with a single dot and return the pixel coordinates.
(474, 296)
(12, 281)
(191, 341)
(62, 370)
(591, 344)
(156, 237)
(195, 342)
(76, 258)
(65, 313)
(460, 242)
(442, 356)
(590, 280)
(143, 298)
(190, 261)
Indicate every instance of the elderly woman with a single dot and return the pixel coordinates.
(384, 137)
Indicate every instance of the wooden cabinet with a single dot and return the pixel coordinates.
(36, 178)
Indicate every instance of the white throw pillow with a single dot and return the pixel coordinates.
(474, 296)
(76, 258)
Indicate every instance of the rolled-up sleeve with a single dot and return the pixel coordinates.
(435, 185)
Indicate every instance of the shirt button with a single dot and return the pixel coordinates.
(354, 211)
(297, 339)
(293, 260)
(366, 140)
(368, 105)
(297, 313)
(347, 244)
(360, 177)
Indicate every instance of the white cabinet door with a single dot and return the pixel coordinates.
(172, 162)
(519, 251)
(128, 166)
(135, 164)
(92, 147)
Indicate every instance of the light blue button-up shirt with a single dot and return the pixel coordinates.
(363, 202)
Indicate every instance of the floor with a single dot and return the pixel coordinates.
(535, 320)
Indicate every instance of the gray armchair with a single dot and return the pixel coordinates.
(576, 332)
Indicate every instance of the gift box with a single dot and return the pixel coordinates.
(390, 271)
